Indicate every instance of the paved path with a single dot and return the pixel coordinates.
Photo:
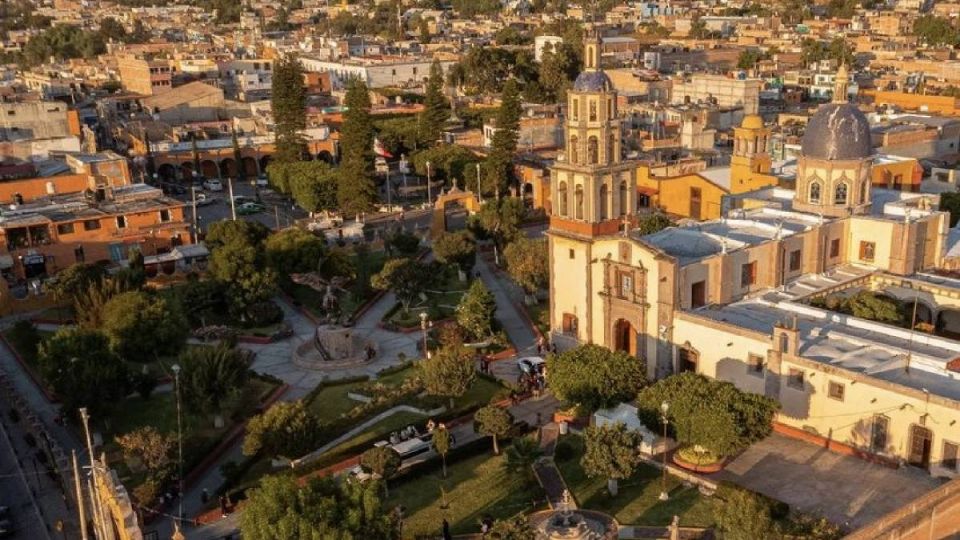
(812, 479)
(512, 321)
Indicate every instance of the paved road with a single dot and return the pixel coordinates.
(15, 494)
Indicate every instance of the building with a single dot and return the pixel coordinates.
(377, 73)
(248, 80)
(540, 43)
(720, 90)
(193, 102)
(145, 77)
(31, 130)
(745, 298)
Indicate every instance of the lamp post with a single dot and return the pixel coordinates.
(424, 323)
(429, 196)
(176, 383)
(479, 193)
(664, 407)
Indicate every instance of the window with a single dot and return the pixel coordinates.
(835, 390)
(950, 451)
(795, 379)
(593, 110)
(575, 108)
(571, 253)
(755, 364)
(795, 259)
(867, 251)
(698, 294)
(118, 252)
(863, 191)
(562, 198)
(878, 433)
(815, 192)
(79, 254)
(840, 195)
(624, 206)
(834, 248)
(748, 274)
(64, 228)
(593, 151)
(121, 222)
(626, 285)
(574, 150)
(91, 224)
(164, 215)
(604, 202)
(643, 200)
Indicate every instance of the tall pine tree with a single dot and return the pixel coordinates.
(288, 102)
(499, 163)
(435, 110)
(356, 191)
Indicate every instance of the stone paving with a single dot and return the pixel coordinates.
(810, 478)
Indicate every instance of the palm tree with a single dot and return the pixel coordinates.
(521, 455)
(211, 375)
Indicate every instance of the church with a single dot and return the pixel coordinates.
(745, 298)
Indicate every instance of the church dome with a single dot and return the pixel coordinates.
(592, 81)
(837, 131)
(752, 121)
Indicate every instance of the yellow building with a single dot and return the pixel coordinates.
(735, 298)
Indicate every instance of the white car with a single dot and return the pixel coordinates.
(213, 184)
(261, 181)
(204, 199)
(531, 364)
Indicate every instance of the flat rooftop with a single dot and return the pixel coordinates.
(858, 345)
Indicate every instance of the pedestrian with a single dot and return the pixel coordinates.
(539, 419)
(204, 496)
(539, 345)
(430, 425)
(446, 530)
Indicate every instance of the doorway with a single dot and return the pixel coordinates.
(696, 200)
(921, 441)
(623, 336)
(687, 360)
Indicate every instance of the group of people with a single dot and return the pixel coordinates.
(533, 382)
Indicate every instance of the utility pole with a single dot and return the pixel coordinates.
(429, 196)
(389, 206)
(99, 524)
(193, 196)
(80, 507)
(479, 192)
(233, 204)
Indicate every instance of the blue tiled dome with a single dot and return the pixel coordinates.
(837, 131)
(592, 81)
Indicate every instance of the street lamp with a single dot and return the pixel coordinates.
(429, 196)
(664, 407)
(176, 382)
(479, 193)
(424, 323)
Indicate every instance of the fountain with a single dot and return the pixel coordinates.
(334, 347)
(566, 522)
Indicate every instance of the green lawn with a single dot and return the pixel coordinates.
(637, 503)
(442, 300)
(474, 487)
(331, 401)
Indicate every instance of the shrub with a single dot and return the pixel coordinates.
(25, 339)
(264, 313)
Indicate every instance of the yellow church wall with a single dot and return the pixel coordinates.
(876, 231)
(569, 284)
(724, 351)
(674, 196)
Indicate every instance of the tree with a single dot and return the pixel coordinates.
(407, 277)
(504, 143)
(111, 30)
(698, 28)
(287, 429)
(313, 185)
(237, 259)
(83, 370)
(435, 108)
(288, 101)
(280, 509)
(476, 310)
(449, 372)
(442, 442)
(741, 515)
(457, 248)
(401, 242)
(748, 58)
(76, 278)
(713, 415)
(652, 223)
(142, 327)
(528, 263)
(595, 377)
(494, 422)
(521, 456)
(448, 162)
(62, 42)
(558, 68)
(517, 528)
(611, 451)
(501, 219)
(935, 30)
(949, 202)
(211, 375)
(151, 447)
(293, 251)
(383, 462)
(356, 192)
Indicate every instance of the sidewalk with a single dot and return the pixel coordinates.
(515, 324)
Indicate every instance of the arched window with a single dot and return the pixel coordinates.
(624, 209)
(575, 108)
(864, 186)
(593, 110)
(589, 58)
(604, 202)
(562, 198)
(840, 195)
(592, 150)
(609, 108)
(612, 149)
(574, 150)
(578, 202)
(815, 192)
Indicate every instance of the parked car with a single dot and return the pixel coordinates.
(248, 208)
(204, 199)
(169, 188)
(261, 181)
(213, 184)
(531, 364)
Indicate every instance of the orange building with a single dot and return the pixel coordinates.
(895, 172)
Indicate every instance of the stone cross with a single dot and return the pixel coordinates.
(626, 224)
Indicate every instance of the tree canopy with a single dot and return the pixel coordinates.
(457, 248)
(280, 509)
(407, 277)
(595, 377)
(142, 326)
(436, 110)
(712, 414)
(611, 451)
(499, 164)
(83, 370)
(288, 102)
(528, 263)
(494, 422)
(475, 312)
(449, 372)
(294, 250)
(286, 429)
(211, 375)
(356, 191)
